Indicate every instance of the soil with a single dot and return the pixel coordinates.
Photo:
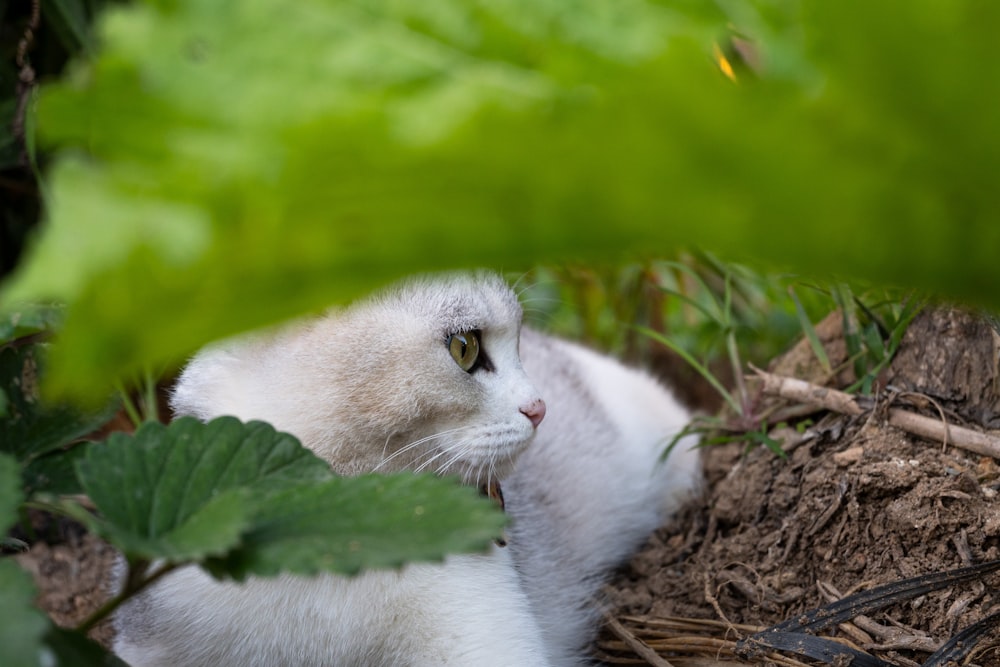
(855, 504)
(70, 567)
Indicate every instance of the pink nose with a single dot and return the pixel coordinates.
(535, 411)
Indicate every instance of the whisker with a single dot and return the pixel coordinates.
(416, 443)
(457, 450)
(429, 461)
(458, 455)
(517, 282)
(385, 447)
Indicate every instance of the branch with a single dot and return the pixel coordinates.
(838, 401)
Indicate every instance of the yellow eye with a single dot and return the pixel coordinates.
(464, 348)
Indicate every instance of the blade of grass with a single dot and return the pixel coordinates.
(845, 300)
(718, 316)
(810, 332)
(702, 370)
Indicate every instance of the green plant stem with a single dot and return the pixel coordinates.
(130, 409)
(132, 587)
(150, 405)
(737, 366)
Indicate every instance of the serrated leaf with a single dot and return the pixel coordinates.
(347, 524)
(21, 624)
(11, 494)
(190, 489)
(211, 529)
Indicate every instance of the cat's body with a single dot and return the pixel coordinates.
(359, 386)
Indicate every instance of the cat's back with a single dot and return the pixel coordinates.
(592, 487)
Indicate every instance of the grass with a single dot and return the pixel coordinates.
(719, 318)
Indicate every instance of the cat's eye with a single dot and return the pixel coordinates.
(464, 348)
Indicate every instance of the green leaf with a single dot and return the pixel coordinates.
(54, 473)
(195, 170)
(188, 490)
(11, 494)
(69, 648)
(346, 524)
(256, 502)
(21, 624)
(32, 427)
(29, 319)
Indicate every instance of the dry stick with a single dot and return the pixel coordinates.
(641, 648)
(838, 401)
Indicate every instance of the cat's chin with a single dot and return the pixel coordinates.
(480, 476)
(492, 490)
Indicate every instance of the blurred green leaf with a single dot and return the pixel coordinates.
(218, 172)
(21, 624)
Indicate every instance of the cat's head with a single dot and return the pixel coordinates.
(422, 376)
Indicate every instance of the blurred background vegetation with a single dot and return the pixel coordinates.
(209, 167)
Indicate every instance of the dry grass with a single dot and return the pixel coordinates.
(680, 642)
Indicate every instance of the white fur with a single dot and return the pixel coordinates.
(374, 387)
(468, 611)
(591, 488)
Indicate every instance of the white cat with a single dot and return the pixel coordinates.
(427, 376)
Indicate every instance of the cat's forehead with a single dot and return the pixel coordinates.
(458, 302)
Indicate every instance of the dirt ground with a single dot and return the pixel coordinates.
(855, 504)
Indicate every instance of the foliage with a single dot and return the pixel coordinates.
(703, 304)
(217, 166)
(716, 316)
(240, 499)
(220, 165)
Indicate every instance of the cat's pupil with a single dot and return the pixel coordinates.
(464, 348)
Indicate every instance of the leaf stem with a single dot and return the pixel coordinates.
(129, 405)
(150, 406)
(133, 585)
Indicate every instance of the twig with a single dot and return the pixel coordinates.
(25, 81)
(641, 648)
(838, 401)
